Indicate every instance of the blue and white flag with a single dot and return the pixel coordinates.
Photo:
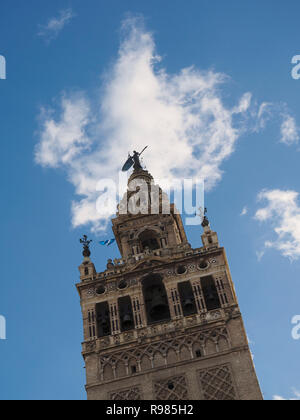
(107, 242)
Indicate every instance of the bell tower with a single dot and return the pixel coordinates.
(163, 321)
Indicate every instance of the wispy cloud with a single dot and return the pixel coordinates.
(65, 139)
(55, 25)
(182, 117)
(244, 211)
(296, 397)
(282, 212)
(289, 130)
(259, 255)
(265, 113)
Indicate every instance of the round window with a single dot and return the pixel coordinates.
(122, 285)
(101, 290)
(181, 269)
(203, 265)
(170, 386)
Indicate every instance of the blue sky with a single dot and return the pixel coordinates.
(79, 87)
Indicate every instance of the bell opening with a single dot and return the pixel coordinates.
(156, 300)
(126, 314)
(187, 298)
(103, 319)
(210, 293)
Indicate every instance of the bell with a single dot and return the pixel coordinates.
(104, 326)
(188, 304)
(158, 307)
(126, 321)
(211, 296)
(102, 319)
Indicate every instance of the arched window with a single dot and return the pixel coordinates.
(156, 300)
(149, 239)
(210, 293)
(187, 298)
(126, 314)
(198, 353)
(103, 319)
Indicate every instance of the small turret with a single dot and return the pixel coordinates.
(209, 238)
(87, 269)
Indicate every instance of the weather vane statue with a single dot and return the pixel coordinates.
(86, 246)
(205, 221)
(134, 161)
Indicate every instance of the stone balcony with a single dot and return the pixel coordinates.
(119, 265)
(142, 335)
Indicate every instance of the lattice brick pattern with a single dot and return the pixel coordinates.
(174, 388)
(133, 394)
(217, 384)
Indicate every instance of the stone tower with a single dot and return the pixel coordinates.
(163, 322)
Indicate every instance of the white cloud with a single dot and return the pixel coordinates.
(244, 211)
(55, 25)
(182, 117)
(296, 397)
(267, 111)
(289, 130)
(62, 141)
(259, 255)
(283, 213)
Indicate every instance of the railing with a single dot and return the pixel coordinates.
(140, 335)
(120, 264)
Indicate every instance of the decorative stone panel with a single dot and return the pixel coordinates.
(174, 389)
(217, 384)
(133, 394)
